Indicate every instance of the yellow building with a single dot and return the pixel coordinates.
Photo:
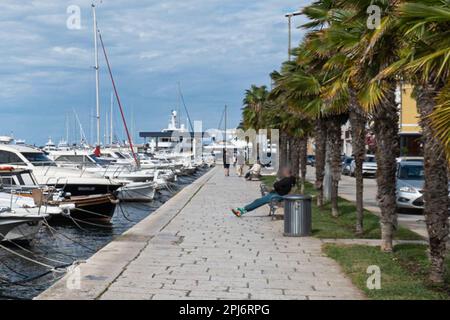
(410, 131)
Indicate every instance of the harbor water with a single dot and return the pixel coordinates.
(63, 244)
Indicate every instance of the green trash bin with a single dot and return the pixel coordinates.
(297, 216)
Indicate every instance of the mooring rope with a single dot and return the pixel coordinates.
(53, 268)
(124, 215)
(12, 270)
(29, 251)
(92, 223)
(68, 238)
(93, 213)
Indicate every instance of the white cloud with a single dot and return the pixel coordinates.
(213, 46)
(69, 51)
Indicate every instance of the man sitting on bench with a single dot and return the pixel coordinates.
(254, 172)
(281, 188)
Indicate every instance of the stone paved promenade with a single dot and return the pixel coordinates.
(193, 248)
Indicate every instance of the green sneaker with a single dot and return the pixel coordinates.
(239, 212)
(236, 212)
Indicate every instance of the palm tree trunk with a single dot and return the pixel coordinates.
(321, 147)
(436, 186)
(303, 159)
(335, 147)
(358, 122)
(386, 119)
(283, 152)
(294, 146)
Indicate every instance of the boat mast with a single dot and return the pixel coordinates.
(118, 100)
(179, 106)
(111, 119)
(225, 127)
(82, 134)
(67, 128)
(97, 75)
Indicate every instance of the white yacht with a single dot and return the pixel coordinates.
(74, 181)
(50, 145)
(138, 185)
(96, 195)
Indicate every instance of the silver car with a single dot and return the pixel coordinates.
(410, 180)
(369, 167)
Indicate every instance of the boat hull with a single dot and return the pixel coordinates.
(87, 190)
(134, 192)
(24, 233)
(19, 228)
(93, 208)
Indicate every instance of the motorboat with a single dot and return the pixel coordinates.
(138, 192)
(21, 219)
(138, 185)
(19, 224)
(100, 167)
(46, 172)
(58, 203)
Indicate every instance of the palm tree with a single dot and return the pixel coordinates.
(373, 51)
(441, 118)
(255, 101)
(294, 130)
(334, 39)
(300, 83)
(425, 62)
(303, 155)
(320, 137)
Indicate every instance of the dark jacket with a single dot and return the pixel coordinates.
(284, 186)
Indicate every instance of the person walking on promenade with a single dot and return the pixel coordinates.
(240, 163)
(280, 188)
(226, 162)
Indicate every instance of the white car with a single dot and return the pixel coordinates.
(369, 166)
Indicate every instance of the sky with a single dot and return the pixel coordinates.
(215, 49)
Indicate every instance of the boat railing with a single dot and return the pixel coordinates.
(114, 170)
(57, 181)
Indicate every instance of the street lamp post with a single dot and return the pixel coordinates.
(290, 16)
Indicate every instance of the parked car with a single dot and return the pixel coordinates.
(409, 159)
(346, 166)
(369, 167)
(311, 160)
(410, 182)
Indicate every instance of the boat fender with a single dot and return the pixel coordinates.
(66, 208)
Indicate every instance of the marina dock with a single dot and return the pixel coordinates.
(192, 247)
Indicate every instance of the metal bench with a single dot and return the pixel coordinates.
(274, 204)
(253, 176)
